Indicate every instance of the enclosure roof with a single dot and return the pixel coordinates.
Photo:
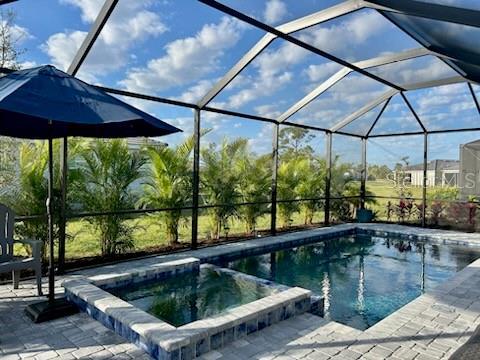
(366, 68)
(473, 144)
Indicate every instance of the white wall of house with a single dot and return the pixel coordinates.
(444, 178)
(416, 177)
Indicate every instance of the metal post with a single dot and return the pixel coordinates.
(424, 188)
(196, 177)
(273, 210)
(62, 223)
(49, 204)
(363, 174)
(328, 177)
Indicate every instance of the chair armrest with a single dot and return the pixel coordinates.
(36, 246)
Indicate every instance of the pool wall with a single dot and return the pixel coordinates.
(164, 341)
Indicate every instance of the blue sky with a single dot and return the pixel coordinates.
(179, 49)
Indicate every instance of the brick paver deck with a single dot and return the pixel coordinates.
(432, 326)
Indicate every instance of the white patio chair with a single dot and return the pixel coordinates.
(9, 262)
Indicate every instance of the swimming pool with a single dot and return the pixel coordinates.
(362, 278)
(191, 296)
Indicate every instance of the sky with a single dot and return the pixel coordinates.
(179, 49)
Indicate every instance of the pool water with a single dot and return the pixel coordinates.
(362, 278)
(191, 296)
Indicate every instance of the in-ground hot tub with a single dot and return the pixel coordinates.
(193, 295)
(180, 309)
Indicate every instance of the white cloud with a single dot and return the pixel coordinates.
(19, 33)
(275, 10)
(262, 143)
(345, 38)
(130, 23)
(445, 107)
(28, 64)
(441, 96)
(90, 8)
(194, 93)
(272, 74)
(262, 87)
(414, 70)
(320, 73)
(186, 59)
(269, 111)
(274, 61)
(462, 106)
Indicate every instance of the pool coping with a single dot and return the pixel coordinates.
(164, 341)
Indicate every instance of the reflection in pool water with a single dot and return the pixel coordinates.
(363, 278)
(191, 296)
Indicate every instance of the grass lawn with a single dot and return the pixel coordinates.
(148, 233)
(385, 188)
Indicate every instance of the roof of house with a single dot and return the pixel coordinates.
(439, 164)
(138, 142)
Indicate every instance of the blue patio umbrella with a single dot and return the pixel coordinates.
(46, 103)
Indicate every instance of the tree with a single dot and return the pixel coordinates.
(10, 39)
(378, 172)
(294, 142)
(169, 184)
(219, 181)
(108, 171)
(254, 185)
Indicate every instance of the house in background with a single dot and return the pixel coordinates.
(139, 143)
(439, 173)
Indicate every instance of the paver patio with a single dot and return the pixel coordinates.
(432, 326)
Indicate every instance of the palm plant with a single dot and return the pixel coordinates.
(219, 181)
(8, 164)
(311, 185)
(289, 176)
(253, 187)
(108, 171)
(28, 196)
(169, 184)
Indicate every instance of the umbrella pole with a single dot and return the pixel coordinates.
(51, 265)
(55, 307)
